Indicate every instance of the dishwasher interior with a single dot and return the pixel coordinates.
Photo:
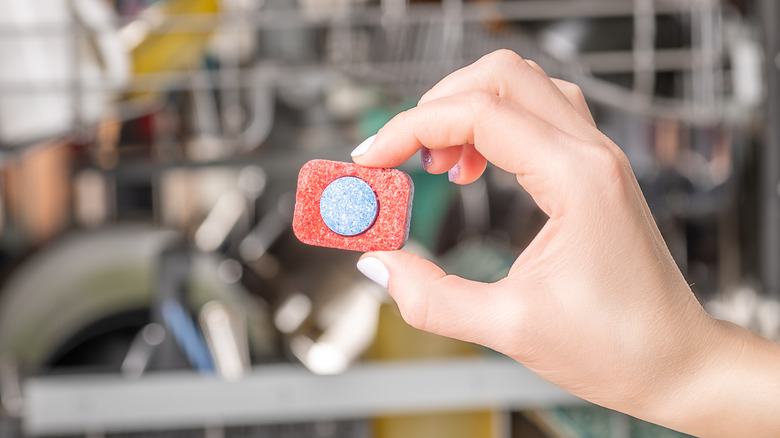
(150, 151)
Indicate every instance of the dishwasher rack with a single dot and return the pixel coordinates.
(693, 63)
(408, 47)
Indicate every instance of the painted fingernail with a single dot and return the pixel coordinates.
(373, 268)
(425, 156)
(363, 147)
(454, 173)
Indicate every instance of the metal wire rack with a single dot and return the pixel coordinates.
(692, 61)
(406, 48)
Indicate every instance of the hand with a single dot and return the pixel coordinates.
(595, 304)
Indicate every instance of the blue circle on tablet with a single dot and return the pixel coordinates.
(348, 206)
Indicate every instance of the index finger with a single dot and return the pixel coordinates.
(541, 153)
(509, 76)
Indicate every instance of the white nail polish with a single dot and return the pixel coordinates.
(373, 268)
(363, 147)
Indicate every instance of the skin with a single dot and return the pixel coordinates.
(595, 304)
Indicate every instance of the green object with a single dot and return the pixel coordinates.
(593, 421)
(479, 260)
(432, 197)
(432, 193)
(372, 120)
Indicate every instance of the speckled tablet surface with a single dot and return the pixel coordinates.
(334, 208)
(348, 206)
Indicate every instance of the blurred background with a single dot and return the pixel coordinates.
(150, 284)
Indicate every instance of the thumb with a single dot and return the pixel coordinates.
(431, 300)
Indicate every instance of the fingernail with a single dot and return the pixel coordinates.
(425, 156)
(372, 268)
(454, 173)
(363, 147)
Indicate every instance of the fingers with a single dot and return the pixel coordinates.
(575, 97)
(470, 166)
(476, 118)
(511, 77)
(463, 164)
(438, 161)
(513, 81)
(429, 299)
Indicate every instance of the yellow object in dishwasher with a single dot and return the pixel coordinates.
(169, 37)
(396, 340)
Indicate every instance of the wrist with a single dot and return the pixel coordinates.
(734, 390)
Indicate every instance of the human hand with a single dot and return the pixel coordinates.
(595, 304)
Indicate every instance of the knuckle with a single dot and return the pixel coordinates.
(534, 65)
(502, 58)
(400, 118)
(575, 90)
(415, 302)
(611, 163)
(482, 102)
(407, 118)
(571, 89)
(414, 310)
